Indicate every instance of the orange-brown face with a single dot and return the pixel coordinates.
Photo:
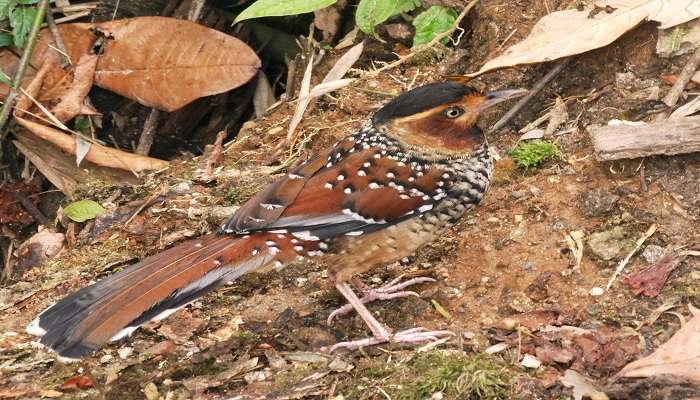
(448, 128)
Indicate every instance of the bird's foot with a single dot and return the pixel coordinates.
(392, 290)
(410, 336)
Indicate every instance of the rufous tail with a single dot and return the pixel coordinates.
(150, 290)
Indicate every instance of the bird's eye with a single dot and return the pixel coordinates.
(453, 112)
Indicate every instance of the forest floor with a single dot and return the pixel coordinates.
(509, 269)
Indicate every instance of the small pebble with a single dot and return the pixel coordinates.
(653, 253)
(536, 191)
(530, 362)
(492, 220)
(527, 265)
(125, 352)
(596, 291)
(255, 376)
(106, 358)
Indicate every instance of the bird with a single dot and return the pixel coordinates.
(413, 170)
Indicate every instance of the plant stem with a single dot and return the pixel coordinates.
(23, 63)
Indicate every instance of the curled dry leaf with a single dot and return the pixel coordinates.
(144, 63)
(72, 101)
(98, 154)
(650, 281)
(679, 357)
(42, 246)
(569, 32)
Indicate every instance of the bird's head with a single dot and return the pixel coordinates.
(439, 117)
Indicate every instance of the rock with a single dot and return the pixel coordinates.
(536, 191)
(254, 376)
(597, 203)
(398, 31)
(596, 291)
(340, 365)
(528, 265)
(220, 214)
(518, 194)
(607, 245)
(652, 253)
(530, 362)
(181, 188)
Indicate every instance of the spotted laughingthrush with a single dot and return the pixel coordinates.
(413, 170)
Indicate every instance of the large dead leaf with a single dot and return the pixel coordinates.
(679, 357)
(565, 33)
(166, 63)
(140, 59)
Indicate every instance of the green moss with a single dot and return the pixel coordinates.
(456, 375)
(238, 194)
(531, 154)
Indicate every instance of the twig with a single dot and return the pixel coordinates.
(31, 208)
(624, 262)
(533, 92)
(22, 68)
(145, 204)
(419, 49)
(148, 133)
(683, 78)
(58, 40)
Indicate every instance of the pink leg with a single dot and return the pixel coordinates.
(380, 333)
(392, 290)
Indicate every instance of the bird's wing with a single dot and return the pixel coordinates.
(355, 190)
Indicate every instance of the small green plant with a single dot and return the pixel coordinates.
(21, 14)
(435, 20)
(531, 154)
(368, 15)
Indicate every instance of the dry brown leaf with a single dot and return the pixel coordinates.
(40, 247)
(145, 61)
(98, 154)
(679, 357)
(565, 33)
(72, 101)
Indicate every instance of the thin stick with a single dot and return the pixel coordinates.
(22, 68)
(62, 54)
(624, 262)
(533, 92)
(419, 49)
(683, 78)
(148, 133)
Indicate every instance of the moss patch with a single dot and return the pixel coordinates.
(532, 154)
(455, 375)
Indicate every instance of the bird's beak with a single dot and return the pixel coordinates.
(499, 96)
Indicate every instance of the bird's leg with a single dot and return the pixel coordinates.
(380, 333)
(392, 290)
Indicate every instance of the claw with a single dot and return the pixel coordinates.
(392, 290)
(409, 336)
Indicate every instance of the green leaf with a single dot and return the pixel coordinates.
(371, 13)
(276, 8)
(6, 6)
(83, 210)
(21, 20)
(405, 6)
(5, 39)
(435, 20)
(5, 79)
(28, 1)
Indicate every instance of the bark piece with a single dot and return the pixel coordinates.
(675, 136)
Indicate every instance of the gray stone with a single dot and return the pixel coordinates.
(518, 194)
(527, 264)
(597, 203)
(653, 253)
(609, 244)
